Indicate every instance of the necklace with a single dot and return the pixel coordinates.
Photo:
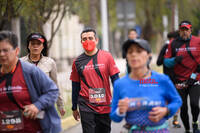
(146, 73)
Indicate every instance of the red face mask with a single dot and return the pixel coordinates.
(89, 45)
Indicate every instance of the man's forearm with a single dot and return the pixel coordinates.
(75, 93)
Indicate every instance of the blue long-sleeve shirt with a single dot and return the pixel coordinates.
(158, 90)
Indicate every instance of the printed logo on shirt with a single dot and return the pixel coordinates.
(148, 82)
(89, 67)
(11, 89)
(186, 49)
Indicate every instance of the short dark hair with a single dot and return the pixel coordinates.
(173, 34)
(45, 49)
(89, 29)
(10, 37)
(133, 29)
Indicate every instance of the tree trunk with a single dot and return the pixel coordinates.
(148, 30)
(93, 13)
(15, 26)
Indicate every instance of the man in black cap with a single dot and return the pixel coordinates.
(183, 56)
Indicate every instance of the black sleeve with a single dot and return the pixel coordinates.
(75, 93)
(161, 55)
(114, 77)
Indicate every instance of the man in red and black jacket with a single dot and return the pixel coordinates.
(183, 55)
(90, 85)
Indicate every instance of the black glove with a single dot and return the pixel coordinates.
(190, 82)
(178, 59)
(127, 126)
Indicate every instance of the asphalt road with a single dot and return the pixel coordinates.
(117, 126)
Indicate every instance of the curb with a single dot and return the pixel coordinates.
(68, 122)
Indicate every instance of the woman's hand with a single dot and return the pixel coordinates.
(30, 111)
(123, 105)
(157, 113)
(62, 111)
(76, 115)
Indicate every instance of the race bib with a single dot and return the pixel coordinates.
(11, 120)
(97, 95)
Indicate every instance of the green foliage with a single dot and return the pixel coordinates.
(81, 8)
(36, 14)
(149, 15)
(191, 14)
(151, 12)
(185, 10)
(9, 9)
(112, 15)
(196, 22)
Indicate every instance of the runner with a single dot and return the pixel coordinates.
(90, 85)
(27, 94)
(186, 47)
(37, 55)
(145, 98)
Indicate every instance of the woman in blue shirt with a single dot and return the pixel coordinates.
(145, 98)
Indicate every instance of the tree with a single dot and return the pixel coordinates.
(93, 13)
(36, 14)
(9, 9)
(191, 14)
(89, 13)
(149, 15)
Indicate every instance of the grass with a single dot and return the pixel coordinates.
(68, 106)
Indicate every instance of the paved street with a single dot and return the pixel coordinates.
(116, 128)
